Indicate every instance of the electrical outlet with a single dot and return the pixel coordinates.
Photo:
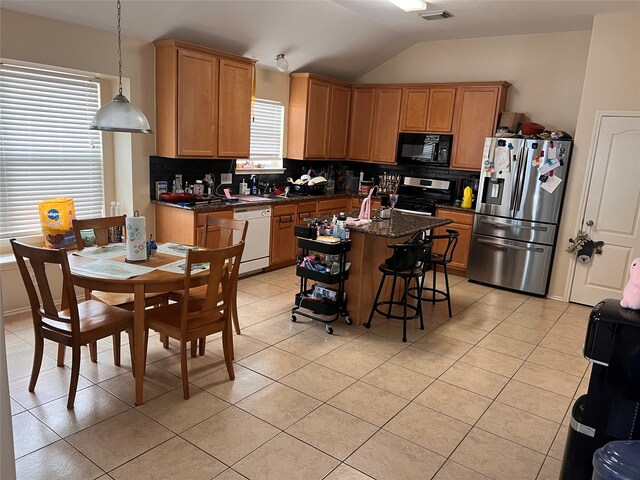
(225, 179)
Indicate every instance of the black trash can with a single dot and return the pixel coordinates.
(578, 451)
(617, 461)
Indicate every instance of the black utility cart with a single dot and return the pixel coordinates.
(309, 306)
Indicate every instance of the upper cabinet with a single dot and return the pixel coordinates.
(318, 117)
(427, 109)
(375, 113)
(477, 109)
(203, 102)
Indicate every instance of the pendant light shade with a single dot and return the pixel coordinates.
(119, 115)
(281, 63)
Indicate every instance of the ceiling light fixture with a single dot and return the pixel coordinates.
(435, 15)
(281, 63)
(119, 115)
(410, 5)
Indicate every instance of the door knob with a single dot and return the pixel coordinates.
(589, 223)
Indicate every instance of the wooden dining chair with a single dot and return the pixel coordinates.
(192, 317)
(74, 326)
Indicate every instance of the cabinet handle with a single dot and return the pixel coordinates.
(288, 220)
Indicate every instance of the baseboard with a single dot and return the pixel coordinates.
(23, 310)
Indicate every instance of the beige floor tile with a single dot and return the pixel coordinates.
(243, 298)
(19, 364)
(537, 401)
(476, 321)
(270, 332)
(496, 457)
(493, 361)
(309, 346)
(557, 448)
(52, 384)
(398, 380)
(30, 434)
(156, 382)
(548, 379)
(15, 344)
(110, 444)
(569, 331)
(345, 472)
(156, 352)
(475, 379)
(577, 309)
(104, 369)
(171, 410)
(279, 405)
(273, 362)
(454, 401)
(263, 290)
(243, 346)
(230, 434)
(286, 457)
(46, 464)
(550, 469)
(422, 361)
(230, 474)
(454, 471)
(18, 321)
(519, 426)
(388, 457)
(487, 310)
(503, 299)
(445, 346)
(530, 321)
(461, 332)
(369, 403)
(350, 362)
(377, 346)
(196, 366)
(92, 405)
(15, 407)
(563, 344)
(340, 330)
(392, 330)
(428, 428)
(325, 429)
(506, 345)
(246, 383)
(517, 332)
(575, 319)
(175, 458)
(559, 361)
(318, 381)
(543, 307)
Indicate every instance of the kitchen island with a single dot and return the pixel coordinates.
(369, 249)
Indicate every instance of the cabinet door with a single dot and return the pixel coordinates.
(386, 119)
(234, 112)
(213, 234)
(317, 119)
(338, 121)
(361, 123)
(336, 205)
(440, 114)
(476, 116)
(306, 210)
(413, 113)
(283, 242)
(461, 253)
(197, 104)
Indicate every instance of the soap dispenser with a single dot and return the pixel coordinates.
(252, 183)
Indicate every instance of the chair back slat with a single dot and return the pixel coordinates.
(452, 241)
(227, 228)
(100, 227)
(41, 298)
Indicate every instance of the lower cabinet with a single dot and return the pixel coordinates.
(356, 203)
(463, 224)
(283, 241)
(184, 226)
(334, 205)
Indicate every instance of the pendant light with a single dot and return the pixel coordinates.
(281, 63)
(119, 115)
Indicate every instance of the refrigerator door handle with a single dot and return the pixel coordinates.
(521, 176)
(511, 247)
(509, 225)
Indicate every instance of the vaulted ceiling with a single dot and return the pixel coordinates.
(340, 38)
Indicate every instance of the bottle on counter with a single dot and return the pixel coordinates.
(341, 225)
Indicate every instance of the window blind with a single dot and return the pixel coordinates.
(46, 147)
(266, 130)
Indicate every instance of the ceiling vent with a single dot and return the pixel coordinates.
(435, 15)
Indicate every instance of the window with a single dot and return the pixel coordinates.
(46, 147)
(266, 133)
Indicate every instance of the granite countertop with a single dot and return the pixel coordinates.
(400, 224)
(457, 208)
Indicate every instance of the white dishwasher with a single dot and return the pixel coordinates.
(256, 249)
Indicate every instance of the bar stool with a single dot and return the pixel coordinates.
(413, 259)
(435, 260)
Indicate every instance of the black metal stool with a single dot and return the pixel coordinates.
(418, 255)
(435, 260)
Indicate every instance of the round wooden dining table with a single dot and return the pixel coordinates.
(156, 281)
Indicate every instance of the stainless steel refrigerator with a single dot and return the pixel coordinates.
(522, 185)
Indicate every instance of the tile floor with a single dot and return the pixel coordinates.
(482, 395)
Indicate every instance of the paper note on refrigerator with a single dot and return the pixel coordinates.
(552, 183)
(487, 148)
(502, 158)
(548, 165)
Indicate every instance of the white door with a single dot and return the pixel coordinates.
(613, 205)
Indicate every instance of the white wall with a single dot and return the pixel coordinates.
(612, 82)
(546, 70)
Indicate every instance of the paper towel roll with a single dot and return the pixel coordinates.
(136, 239)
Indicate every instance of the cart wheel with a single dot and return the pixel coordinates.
(348, 320)
(329, 329)
(293, 318)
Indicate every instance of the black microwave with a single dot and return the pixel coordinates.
(424, 149)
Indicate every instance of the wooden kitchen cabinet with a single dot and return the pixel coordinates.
(477, 109)
(184, 226)
(203, 101)
(306, 210)
(386, 115)
(334, 205)
(463, 224)
(427, 109)
(362, 106)
(283, 241)
(440, 113)
(356, 203)
(318, 117)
